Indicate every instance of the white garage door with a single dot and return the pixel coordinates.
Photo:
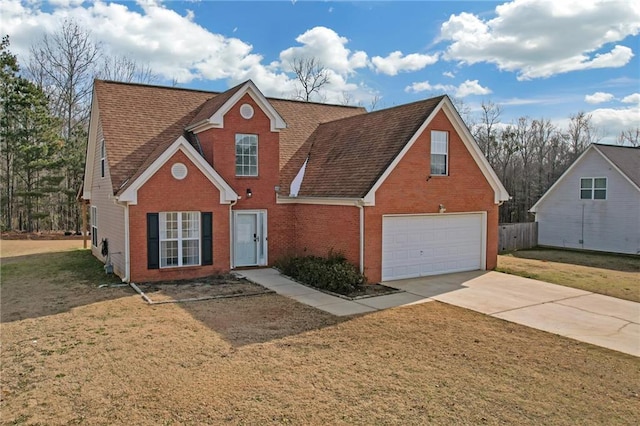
(417, 245)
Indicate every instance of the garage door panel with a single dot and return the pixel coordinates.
(419, 245)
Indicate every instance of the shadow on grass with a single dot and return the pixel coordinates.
(38, 285)
(258, 319)
(611, 261)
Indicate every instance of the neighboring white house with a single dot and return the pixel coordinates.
(595, 204)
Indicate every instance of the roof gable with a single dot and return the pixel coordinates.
(352, 157)
(211, 114)
(625, 156)
(130, 194)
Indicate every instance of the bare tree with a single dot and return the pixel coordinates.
(581, 133)
(124, 68)
(373, 102)
(486, 131)
(64, 65)
(629, 137)
(311, 76)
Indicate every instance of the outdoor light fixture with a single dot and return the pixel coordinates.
(276, 188)
(441, 208)
(249, 193)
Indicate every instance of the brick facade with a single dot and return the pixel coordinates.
(304, 228)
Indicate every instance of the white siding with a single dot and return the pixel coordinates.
(110, 215)
(611, 225)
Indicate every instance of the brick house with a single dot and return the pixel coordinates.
(185, 183)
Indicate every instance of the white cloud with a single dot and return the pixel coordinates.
(469, 87)
(395, 62)
(614, 120)
(176, 47)
(449, 74)
(541, 38)
(329, 48)
(598, 98)
(632, 99)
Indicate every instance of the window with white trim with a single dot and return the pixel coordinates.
(593, 188)
(179, 239)
(94, 226)
(103, 156)
(246, 155)
(439, 153)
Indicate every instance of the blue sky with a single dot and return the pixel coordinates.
(536, 58)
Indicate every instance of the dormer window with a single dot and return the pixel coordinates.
(246, 155)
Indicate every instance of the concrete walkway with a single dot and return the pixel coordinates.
(588, 317)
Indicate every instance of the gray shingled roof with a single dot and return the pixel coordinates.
(626, 158)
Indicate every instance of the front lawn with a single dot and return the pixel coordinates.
(76, 354)
(610, 274)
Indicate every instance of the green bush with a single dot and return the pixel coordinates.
(331, 273)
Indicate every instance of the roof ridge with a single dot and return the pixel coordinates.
(615, 146)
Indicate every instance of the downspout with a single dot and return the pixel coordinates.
(233, 203)
(127, 263)
(360, 205)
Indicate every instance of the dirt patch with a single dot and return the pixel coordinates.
(616, 276)
(213, 287)
(269, 360)
(14, 248)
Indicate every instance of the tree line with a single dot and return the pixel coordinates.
(44, 121)
(44, 118)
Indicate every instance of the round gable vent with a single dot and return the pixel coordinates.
(246, 111)
(179, 171)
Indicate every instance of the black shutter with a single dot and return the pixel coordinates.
(207, 238)
(153, 241)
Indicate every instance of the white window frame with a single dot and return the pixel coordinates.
(592, 189)
(242, 158)
(179, 238)
(435, 151)
(94, 226)
(103, 156)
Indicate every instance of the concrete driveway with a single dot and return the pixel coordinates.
(578, 314)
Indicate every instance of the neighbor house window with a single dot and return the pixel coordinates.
(439, 153)
(103, 156)
(593, 188)
(179, 239)
(246, 155)
(94, 226)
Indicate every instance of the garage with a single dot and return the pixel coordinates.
(432, 244)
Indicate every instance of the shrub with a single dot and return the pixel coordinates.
(332, 273)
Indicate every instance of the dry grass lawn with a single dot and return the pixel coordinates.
(613, 275)
(75, 354)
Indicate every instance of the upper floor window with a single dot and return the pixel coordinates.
(439, 153)
(246, 155)
(593, 188)
(103, 156)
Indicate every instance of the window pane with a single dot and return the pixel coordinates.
(438, 164)
(600, 194)
(246, 155)
(190, 225)
(190, 252)
(585, 194)
(168, 253)
(168, 225)
(600, 183)
(586, 183)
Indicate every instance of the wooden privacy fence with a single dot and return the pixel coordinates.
(516, 236)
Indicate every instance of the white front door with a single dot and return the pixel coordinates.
(249, 238)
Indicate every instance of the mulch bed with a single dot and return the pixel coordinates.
(212, 287)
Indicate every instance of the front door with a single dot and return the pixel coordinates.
(249, 242)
